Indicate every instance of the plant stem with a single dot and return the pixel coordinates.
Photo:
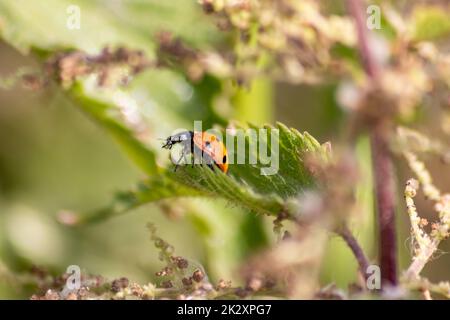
(370, 66)
(385, 192)
(383, 166)
(358, 252)
(421, 260)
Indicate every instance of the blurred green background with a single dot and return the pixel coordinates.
(54, 157)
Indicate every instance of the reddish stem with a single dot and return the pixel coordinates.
(369, 64)
(358, 252)
(385, 191)
(382, 158)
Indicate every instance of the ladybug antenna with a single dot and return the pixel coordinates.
(167, 143)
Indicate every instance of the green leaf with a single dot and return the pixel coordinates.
(43, 24)
(246, 185)
(214, 183)
(156, 188)
(106, 115)
(243, 185)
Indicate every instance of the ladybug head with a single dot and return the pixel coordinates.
(168, 144)
(177, 138)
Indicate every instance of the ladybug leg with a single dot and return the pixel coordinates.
(177, 164)
(192, 155)
(183, 156)
(184, 152)
(193, 152)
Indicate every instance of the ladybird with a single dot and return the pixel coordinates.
(202, 145)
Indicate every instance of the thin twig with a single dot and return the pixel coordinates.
(358, 252)
(426, 294)
(429, 189)
(426, 244)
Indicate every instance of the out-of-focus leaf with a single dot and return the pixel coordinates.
(163, 100)
(43, 24)
(226, 239)
(156, 188)
(107, 116)
(255, 103)
(430, 22)
(339, 260)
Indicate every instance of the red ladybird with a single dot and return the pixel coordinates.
(202, 145)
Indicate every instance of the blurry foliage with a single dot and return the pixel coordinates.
(430, 23)
(140, 70)
(180, 279)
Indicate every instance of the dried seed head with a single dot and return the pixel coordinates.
(182, 263)
(167, 284)
(208, 6)
(72, 296)
(423, 222)
(223, 284)
(254, 284)
(164, 272)
(51, 295)
(187, 281)
(159, 243)
(119, 284)
(198, 275)
(136, 289)
(241, 292)
(411, 188)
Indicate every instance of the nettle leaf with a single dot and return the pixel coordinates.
(214, 183)
(244, 185)
(43, 24)
(247, 185)
(106, 114)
